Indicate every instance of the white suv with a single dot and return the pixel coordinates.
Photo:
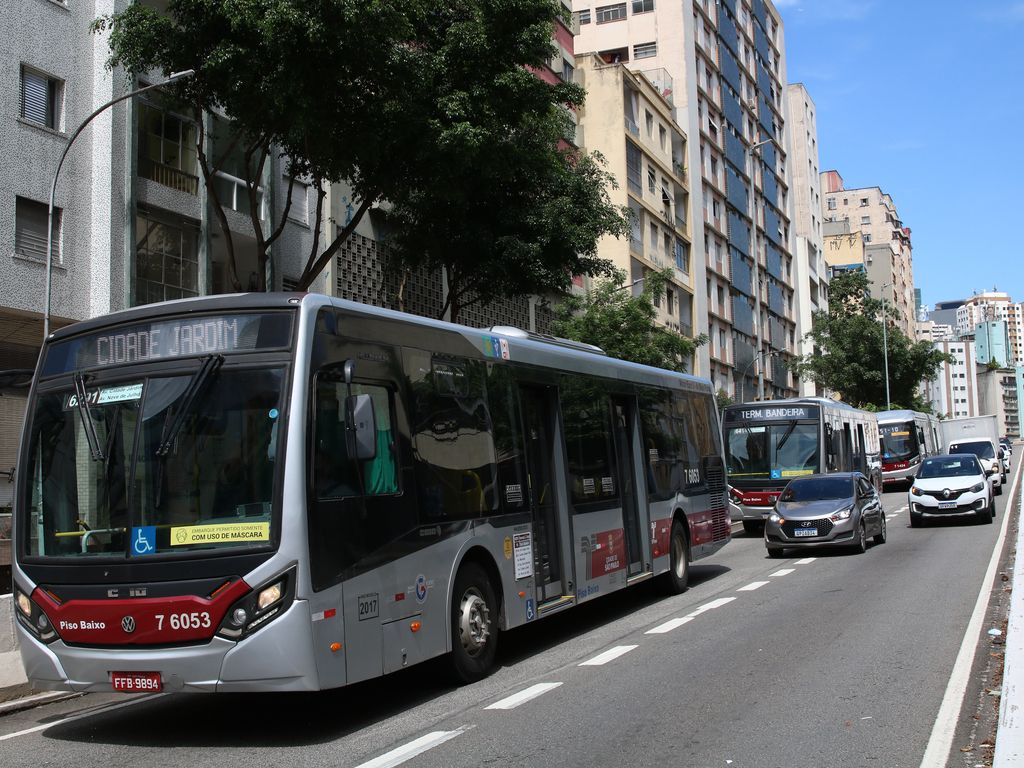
(951, 485)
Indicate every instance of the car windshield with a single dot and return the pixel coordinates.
(949, 466)
(819, 488)
(898, 441)
(149, 468)
(772, 450)
(980, 448)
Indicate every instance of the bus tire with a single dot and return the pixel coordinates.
(678, 577)
(474, 624)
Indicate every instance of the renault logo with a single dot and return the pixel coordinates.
(945, 493)
(128, 624)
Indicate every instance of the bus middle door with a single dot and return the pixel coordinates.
(634, 522)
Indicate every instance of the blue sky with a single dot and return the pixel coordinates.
(925, 100)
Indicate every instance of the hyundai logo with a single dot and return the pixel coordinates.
(128, 624)
(807, 523)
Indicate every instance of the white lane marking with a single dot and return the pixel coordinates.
(711, 606)
(781, 572)
(524, 696)
(669, 625)
(805, 561)
(406, 752)
(941, 740)
(610, 655)
(83, 715)
(752, 586)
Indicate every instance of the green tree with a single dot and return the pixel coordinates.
(624, 325)
(723, 398)
(430, 106)
(850, 358)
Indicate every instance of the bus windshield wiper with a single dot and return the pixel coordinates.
(785, 437)
(82, 397)
(195, 386)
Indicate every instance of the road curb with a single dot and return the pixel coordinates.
(36, 700)
(1009, 749)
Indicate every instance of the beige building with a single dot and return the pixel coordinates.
(887, 249)
(629, 121)
(725, 67)
(997, 394)
(954, 391)
(993, 305)
(843, 248)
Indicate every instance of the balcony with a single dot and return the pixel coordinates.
(234, 194)
(632, 127)
(168, 176)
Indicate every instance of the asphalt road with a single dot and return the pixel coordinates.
(832, 659)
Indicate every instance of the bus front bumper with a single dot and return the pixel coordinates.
(219, 665)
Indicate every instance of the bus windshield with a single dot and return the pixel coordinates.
(899, 441)
(772, 451)
(159, 465)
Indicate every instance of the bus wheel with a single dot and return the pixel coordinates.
(474, 624)
(678, 577)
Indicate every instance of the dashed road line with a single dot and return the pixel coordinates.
(83, 715)
(513, 701)
(805, 561)
(408, 751)
(669, 625)
(781, 572)
(752, 586)
(712, 605)
(610, 655)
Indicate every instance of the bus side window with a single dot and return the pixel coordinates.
(589, 445)
(662, 446)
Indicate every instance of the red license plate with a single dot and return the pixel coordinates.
(136, 682)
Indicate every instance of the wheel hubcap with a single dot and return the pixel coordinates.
(679, 556)
(474, 621)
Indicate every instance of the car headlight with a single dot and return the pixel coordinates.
(842, 514)
(977, 488)
(776, 518)
(914, 490)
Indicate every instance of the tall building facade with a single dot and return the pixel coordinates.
(993, 305)
(888, 254)
(954, 391)
(629, 120)
(726, 63)
(997, 395)
(810, 273)
(133, 222)
(992, 343)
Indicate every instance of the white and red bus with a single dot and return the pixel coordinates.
(281, 492)
(907, 437)
(767, 443)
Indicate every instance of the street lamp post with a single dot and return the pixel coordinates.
(53, 187)
(746, 369)
(885, 347)
(749, 152)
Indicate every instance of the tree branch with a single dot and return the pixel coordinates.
(218, 208)
(315, 267)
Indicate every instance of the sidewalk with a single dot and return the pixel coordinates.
(15, 692)
(1009, 750)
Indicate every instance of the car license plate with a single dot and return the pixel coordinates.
(947, 505)
(136, 682)
(798, 532)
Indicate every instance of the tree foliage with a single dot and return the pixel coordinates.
(850, 356)
(431, 106)
(624, 325)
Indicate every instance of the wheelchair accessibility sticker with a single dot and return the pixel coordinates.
(144, 540)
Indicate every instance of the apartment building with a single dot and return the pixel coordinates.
(954, 391)
(930, 331)
(628, 119)
(997, 395)
(132, 221)
(810, 273)
(990, 306)
(726, 64)
(888, 254)
(992, 343)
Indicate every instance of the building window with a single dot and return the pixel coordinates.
(30, 230)
(643, 6)
(40, 98)
(867, 237)
(865, 219)
(651, 179)
(683, 260)
(298, 210)
(167, 149)
(863, 202)
(606, 13)
(584, 16)
(645, 50)
(649, 123)
(567, 71)
(831, 203)
(166, 259)
(670, 304)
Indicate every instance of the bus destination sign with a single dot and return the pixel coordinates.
(169, 339)
(771, 413)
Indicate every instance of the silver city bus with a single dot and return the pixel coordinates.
(271, 492)
(768, 443)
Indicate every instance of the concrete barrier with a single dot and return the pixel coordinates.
(12, 673)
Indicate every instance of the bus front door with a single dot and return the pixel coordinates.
(625, 448)
(538, 418)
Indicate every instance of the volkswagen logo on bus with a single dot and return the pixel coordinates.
(128, 624)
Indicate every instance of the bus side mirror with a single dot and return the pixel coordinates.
(360, 427)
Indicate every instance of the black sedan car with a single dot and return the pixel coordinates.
(842, 509)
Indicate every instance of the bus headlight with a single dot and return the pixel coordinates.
(33, 619)
(259, 607)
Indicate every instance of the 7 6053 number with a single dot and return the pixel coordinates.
(193, 620)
